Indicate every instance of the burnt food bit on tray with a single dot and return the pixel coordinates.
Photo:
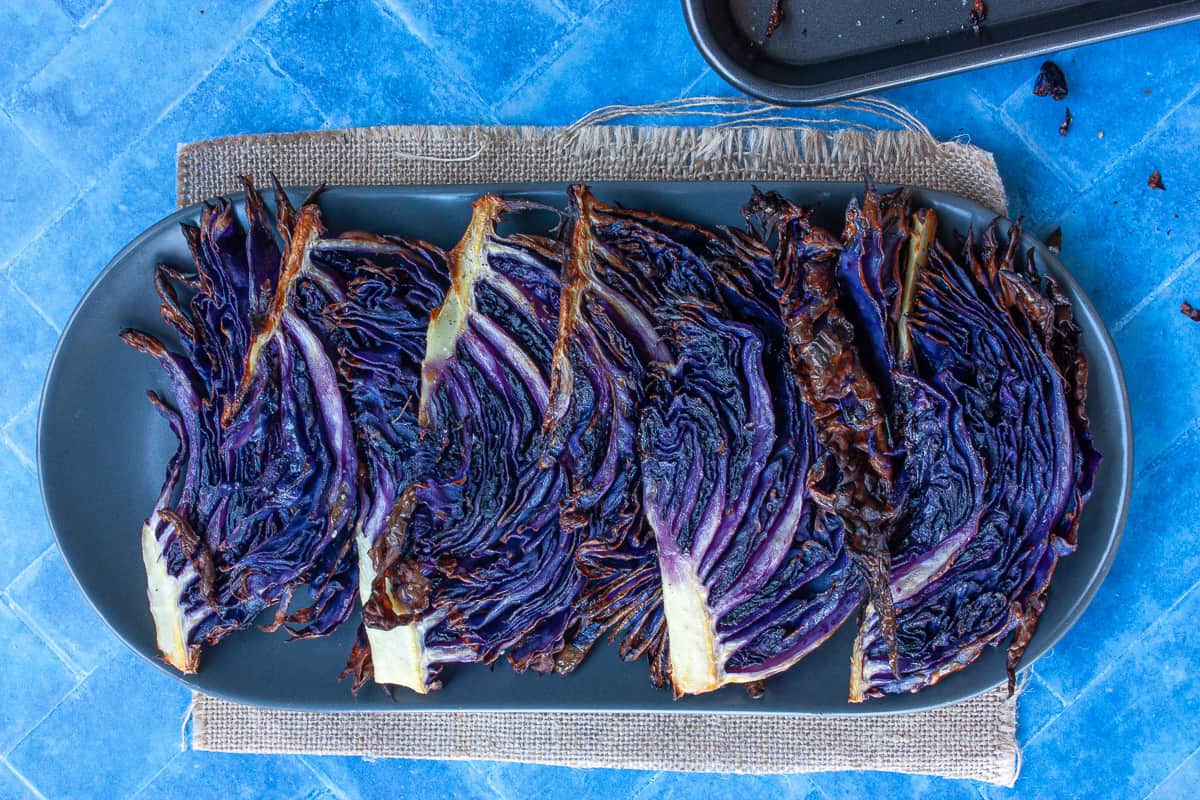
(775, 18)
(978, 14)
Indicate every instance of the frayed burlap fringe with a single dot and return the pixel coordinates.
(746, 141)
(456, 155)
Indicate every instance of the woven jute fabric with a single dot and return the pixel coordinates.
(972, 739)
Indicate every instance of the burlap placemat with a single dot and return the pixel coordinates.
(973, 739)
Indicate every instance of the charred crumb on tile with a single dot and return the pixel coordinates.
(1051, 82)
(1189, 311)
(1066, 123)
(1155, 181)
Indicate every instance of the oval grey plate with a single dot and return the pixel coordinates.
(102, 453)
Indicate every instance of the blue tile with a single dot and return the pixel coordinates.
(11, 785)
(1038, 707)
(59, 266)
(354, 39)
(1122, 226)
(112, 734)
(363, 779)
(892, 786)
(519, 34)
(34, 31)
(1107, 84)
(1129, 731)
(1160, 349)
(21, 433)
(1158, 560)
(53, 604)
(94, 99)
(243, 94)
(31, 189)
(1183, 782)
(684, 785)
(23, 526)
(32, 681)
(232, 776)
(29, 343)
(648, 47)
(562, 783)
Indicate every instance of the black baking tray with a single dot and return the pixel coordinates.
(828, 50)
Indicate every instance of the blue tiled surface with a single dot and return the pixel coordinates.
(94, 96)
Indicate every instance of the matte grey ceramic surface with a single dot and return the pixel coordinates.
(830, 50)
(102, 452)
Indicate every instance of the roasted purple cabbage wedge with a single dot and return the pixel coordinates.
(479, 566)
(605, 340)
(755, 575)
(378, 326)
(260, 496)
(985, 389)
(671, 331)
(843, 381)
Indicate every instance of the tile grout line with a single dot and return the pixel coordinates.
(1020, 133)
(216, 61)
(78, 673)
(645, 787)
(134, 143)
(149, 780)
(562, 9)
(38, 723)
(1033, 146)
(542, 64)
(68, 179)
(21, 777)
(321, 777)
(401, 13)
(16, 451)
(1120, 657)
(554, 54)
(490, 779)
(1057, 696)
(49, 549)
(1170, 774)
(1155, 292)
(36, 308)
(821, 793)
(30, 406)
(1156, 128)
(1111, 167)
(50, 222)
(87, 21)
(274, 65)
(393, 9)
(1157, 462)
(50, 157)
(704, 73)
